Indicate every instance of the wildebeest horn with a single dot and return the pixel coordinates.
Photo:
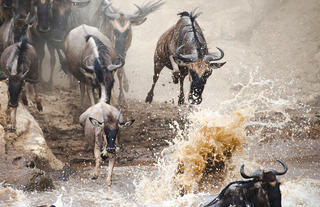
(144, 10)
(88, 68)
(103, 114)
(256, 174)
(186, 58)
(27, 18)
(110, 14)
(118, 117)
(208, 58)
(23, 76)
(284, 170)
(116, 66)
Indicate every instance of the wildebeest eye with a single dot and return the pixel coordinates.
(207, 73)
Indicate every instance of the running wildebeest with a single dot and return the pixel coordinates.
(101, 124)
(52, 27)
(184, 50)
(91, 58)
(262, 190)
(117, 26)
(21, 64)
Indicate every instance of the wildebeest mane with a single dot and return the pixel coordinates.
(194, 28)
(246, 183)
(103, 51)
(22, 53)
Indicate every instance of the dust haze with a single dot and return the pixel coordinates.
(274, 40)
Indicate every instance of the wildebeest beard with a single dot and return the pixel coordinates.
(197, 87)
(14, 87)
(274, 194)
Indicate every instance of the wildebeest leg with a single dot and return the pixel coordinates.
(52, 63)
(176, 71)
(90, 94)
(112, 159)
(181, 96)
(125, 82)
(157, 69)
(97, 155)
(36, 97)
(11, 114)
(120, 74)
(82, 91)
(40, 53)
(24, 96)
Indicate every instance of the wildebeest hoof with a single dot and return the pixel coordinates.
(39, 106)
(94, 177)
(175, 78)
(12, 129)
(25, 102)
(149, 99)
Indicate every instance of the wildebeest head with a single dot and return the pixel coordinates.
(53, 15)
(121, 23)
(269, 182)
(102, 68)
(22, 23)
(200, 69)
(109, 128)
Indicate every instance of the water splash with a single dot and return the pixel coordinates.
(207, 147)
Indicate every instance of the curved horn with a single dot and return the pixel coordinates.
(119, 115)
(103, 114)
(144, 10)
(24, 75)
(186, 58)
(116, 66)
(27, 18)
(256, 174)
(285, 169)
(89, 69)
(209, 58)
(111, 14)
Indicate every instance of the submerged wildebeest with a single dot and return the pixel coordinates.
(184, 50)
(117, 26)
(91, 58)
(263, 190)
(21, 63)
(52, 27)
(101, 124)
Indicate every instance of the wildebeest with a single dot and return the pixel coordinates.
(6, 11)
(21, 63)
(117, 26)
(101, 124)
(262, 190)
(91, 58)
(52, 26)
(12, 31)
(184, 50)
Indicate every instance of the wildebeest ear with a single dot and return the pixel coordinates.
(216, 65)
(128, 123)
(95, 122)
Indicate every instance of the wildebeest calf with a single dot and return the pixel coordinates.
(101, 124)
